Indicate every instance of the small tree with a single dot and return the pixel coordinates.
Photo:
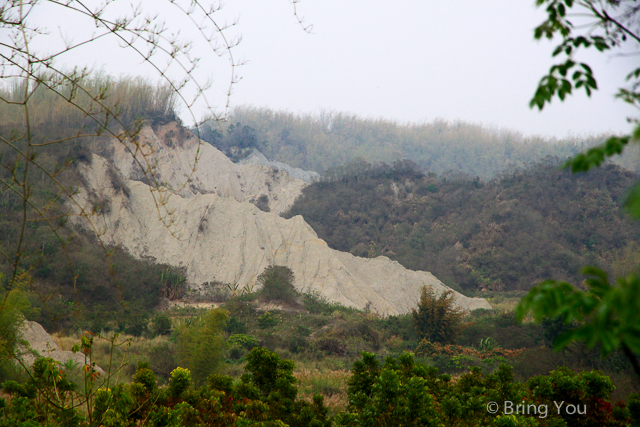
(437, 319)
(162, 324)
(200, 346)
(277, 284)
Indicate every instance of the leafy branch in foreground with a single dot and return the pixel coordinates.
(606, 315)
(611, 24)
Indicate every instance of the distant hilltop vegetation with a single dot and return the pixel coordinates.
(507, 233)
(326, 140)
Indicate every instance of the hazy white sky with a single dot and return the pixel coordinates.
(415, 60)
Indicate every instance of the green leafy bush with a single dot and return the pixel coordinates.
(145, 376)
(606, 315)
(426, 348)
(634, 408)
(162, 324)
(394, 392)
(172, 284)
(277, 284)
(241, 340)
(267, 320)
(179, 382)
(487, 344)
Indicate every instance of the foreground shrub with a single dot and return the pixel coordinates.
(179, 382)
(273, 378)
(396, 392)
(400, 392)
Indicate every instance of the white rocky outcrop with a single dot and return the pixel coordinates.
(173, 157)
(257, 158)
(219, 235)
(41, 344)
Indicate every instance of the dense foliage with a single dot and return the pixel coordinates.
(397, 392)
(606, 314)
(315, 330)
(522, 227)
(402, 392)
(265, 396)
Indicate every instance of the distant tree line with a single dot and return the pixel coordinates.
(327, 140)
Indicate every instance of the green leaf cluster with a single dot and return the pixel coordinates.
(267, 320)
(603, 314)
(606, 314)
(242, 340)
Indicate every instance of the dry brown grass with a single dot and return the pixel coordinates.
(332, 384)
(504, 303)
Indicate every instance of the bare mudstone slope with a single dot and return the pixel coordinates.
(170, 154)
(217, 234)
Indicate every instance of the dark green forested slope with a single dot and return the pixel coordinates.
(326, 140)
(505, 234)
